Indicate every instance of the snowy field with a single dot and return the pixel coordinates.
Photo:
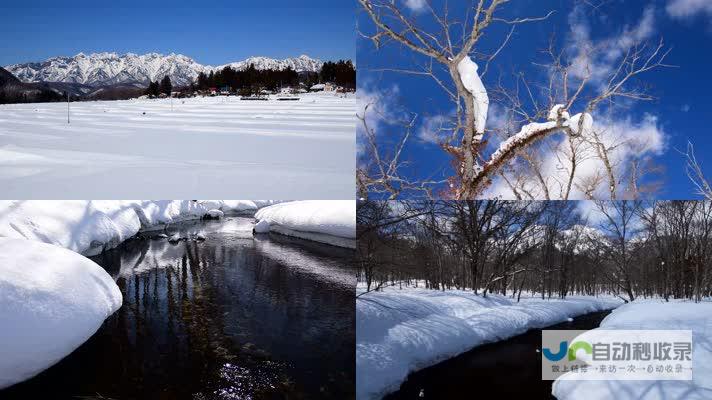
(399, 331)
(654, 314)
(215, 146)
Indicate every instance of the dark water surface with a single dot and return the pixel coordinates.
(510, 369)
(227, 317)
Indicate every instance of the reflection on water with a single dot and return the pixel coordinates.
(221, 318)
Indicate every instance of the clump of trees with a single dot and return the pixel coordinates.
(630, 249)
(341, 73)
(249, 80)
(156, 88)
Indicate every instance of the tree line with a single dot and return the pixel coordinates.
(252, 80)
(342, 73)
(629, 249)
(249, 80)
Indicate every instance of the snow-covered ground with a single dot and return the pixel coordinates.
(51, 301)
(91, 226)
(399, 331)
(327, 221)
(215, 146)
(658, 315)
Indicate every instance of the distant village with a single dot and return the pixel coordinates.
(253, 84)
(229, 91)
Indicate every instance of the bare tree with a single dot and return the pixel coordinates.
(448, 51)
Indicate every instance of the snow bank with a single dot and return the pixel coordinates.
(654, 314)
(262, 227)
(51, 301)
(237, 206)
(91, 226)
(472, 82)
(327, 221)
(401, 331)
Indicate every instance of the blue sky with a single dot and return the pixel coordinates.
(679, 113)
(213, 32)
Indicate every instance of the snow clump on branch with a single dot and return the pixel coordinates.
(472, 82)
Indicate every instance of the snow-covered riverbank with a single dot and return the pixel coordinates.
(399, 331)
(659, 315)
(327, 221)
(89, 227)
(162, 149)
(51, 301)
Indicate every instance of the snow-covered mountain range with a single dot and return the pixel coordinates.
(101, 69)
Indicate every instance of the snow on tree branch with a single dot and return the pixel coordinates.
(578, 125)
(472, 82)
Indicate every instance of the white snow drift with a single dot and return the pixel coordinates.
(176, 148)
(51, 301)
(399, 331)
(327, 221)
(654, 314)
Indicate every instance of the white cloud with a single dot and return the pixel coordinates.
(376, 104)
(688, 8)
(597, 58)
(416, 5)
(590, 211)
(432, 128)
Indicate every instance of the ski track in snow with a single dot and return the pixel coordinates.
(301, 149)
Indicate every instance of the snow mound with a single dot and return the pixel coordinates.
(214, 214)
(262, 227)
(92, 226)
(472, 82)
(51, 301)
(327, 221)
(654, 314)
(399, 331)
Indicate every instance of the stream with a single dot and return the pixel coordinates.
(216, 315)
(509, 369)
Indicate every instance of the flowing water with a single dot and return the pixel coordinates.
(217, 315)
(510, 369)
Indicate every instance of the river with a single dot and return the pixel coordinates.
(509, 369)
(217, 315)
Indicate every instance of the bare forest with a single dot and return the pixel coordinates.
(631, 249)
